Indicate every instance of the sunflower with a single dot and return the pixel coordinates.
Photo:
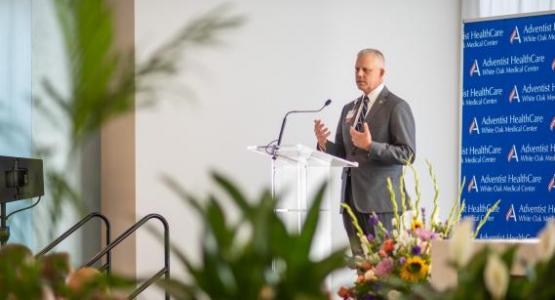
(416, 224)
(414, 269)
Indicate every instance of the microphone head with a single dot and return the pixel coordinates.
(328, 102)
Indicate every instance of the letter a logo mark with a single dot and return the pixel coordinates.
(512, 154)
(474, 69)
(474, 127)
(514, 95)
(515, 36)
(511, 214)
(472, 185)
(551, 184)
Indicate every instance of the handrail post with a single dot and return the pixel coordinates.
(126, 234)
(167, 254)
(74, 228)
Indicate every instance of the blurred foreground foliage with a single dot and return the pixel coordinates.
(255, 257)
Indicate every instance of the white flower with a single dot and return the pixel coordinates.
(496, 277)
(393, 295)
(546, 246)
(404, 238)
(406, 218)
(461, 248)
(395, 234)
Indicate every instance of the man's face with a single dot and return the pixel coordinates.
(369, 71)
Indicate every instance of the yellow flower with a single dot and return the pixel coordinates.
(414, 269)
(416, 224)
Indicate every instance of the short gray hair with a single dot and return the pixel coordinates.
(377, 53)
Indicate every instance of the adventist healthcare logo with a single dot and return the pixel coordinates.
(510, 214)
(514, 95)
(475, 69)
(551, 184)
(552, 126)
(512, 154)
(515, 36)
(472, 185)
(474, 127)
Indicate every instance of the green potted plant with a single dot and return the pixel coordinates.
(255, 257)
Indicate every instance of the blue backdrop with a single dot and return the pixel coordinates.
(508, 123)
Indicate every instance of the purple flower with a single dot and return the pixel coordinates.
(416, 250)
(370, 237)
(425, 235)
(402, 260)
(384, 267)
(373, 219)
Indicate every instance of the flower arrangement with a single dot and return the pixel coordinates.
(404, 254)
(486, 273)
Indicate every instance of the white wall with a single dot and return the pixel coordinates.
(288, 55)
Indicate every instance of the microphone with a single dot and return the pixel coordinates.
(328, 102)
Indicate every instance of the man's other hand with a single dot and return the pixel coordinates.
(362, 140)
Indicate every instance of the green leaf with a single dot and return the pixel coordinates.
(310, 224)
(330, 263)
(177, 289)
(236, 195)
(216, 221)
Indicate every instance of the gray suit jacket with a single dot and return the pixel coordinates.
(391, 125)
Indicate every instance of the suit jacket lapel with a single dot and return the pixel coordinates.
(377, 106)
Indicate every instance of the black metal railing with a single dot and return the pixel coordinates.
(108, 265)
(164, 271)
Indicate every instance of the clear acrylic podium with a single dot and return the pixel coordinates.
(297, 172)
(294, 162)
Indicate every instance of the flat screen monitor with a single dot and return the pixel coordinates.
(20, 178)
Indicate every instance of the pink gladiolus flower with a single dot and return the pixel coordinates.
(384, 267)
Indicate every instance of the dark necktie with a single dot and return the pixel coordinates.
(360, 122)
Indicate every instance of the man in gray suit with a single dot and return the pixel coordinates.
(376, 130)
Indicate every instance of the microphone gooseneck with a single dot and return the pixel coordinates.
(328, 102)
